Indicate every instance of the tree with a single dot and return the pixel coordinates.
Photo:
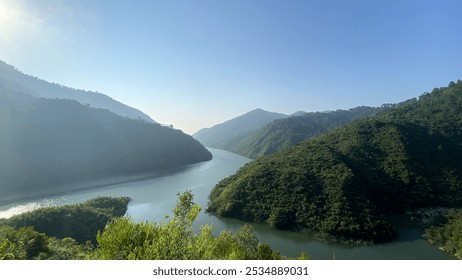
(20, 244)
(124, 239)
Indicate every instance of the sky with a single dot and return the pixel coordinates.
(196, 63)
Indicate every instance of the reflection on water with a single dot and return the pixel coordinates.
(15, 210)
(154, 199)
(8, 211)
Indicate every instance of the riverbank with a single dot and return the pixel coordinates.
(154, 198)
(92, 185)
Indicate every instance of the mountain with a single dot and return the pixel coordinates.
(56, 145)
(15, 80)
(342, 184)
(298, 113)
(221, 135)
(285, 132)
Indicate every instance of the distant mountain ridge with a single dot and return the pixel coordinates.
(221, 135)
(58, 145)
(300, 126)
(15, 80)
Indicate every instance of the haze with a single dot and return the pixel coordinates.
(197, 63)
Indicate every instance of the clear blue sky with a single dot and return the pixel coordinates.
(197, 63)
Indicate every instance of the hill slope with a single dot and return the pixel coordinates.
(221, 135)
(80, 222)
(15, 80)
(342, 183)
(49, 145)
(282, 133)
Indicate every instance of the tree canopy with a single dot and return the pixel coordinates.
(62, 232)
(80, 222)
(448, 233)
(123, 239)
(339, 185)
(285, 132)
(176, 240)
(55, 145)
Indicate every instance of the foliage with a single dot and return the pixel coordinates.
(447, 235)
(54, 145)
(340, 184)
(80, 222)
(24, 243)
(123, 239)
(282, 133)
(67, 249)
(113, 206)
(175, 240)
(27, 244)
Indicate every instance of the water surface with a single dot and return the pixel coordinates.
(154, 198)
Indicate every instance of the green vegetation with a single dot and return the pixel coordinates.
(55, 145)
(24, 243)
(448, 234)
(339, 185)
(80, 222)
(282, 133)
(61, 233)
(259, 133)
(27, 244)
(175, 239)
(123, 239)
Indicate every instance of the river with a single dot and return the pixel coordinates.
(154, 199)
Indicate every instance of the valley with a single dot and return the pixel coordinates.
(152, 199)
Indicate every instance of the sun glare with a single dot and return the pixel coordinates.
(9, 19)
(17, 25)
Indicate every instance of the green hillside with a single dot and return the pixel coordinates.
(80, 222)
(55, 145)
(282, 133)
(341, 184)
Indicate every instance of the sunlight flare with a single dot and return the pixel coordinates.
(16, 24)
(9, 19)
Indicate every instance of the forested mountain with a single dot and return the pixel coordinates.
(285, 132)
(224, 134)
(15, 80)
(340, 184)
(54, 145)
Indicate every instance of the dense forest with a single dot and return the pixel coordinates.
(448, 233)
(341, 184)
(285, 132)
(231, 131)
(54, 145)
(13, 79)
(64, 232)
(123, 239)
(81, 222)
